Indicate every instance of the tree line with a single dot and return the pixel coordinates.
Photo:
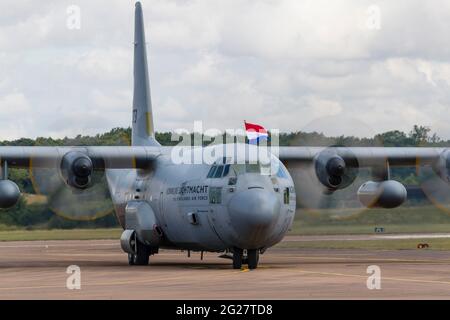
(33, 215)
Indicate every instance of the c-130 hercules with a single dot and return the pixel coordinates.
(231, 206)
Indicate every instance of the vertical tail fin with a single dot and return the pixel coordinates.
(142, 128)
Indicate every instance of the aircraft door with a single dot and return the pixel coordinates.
(218, 194)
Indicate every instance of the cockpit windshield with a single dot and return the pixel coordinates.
(251, 168)
(218, 171)
(275, 168)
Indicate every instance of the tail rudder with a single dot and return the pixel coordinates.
(142, 122)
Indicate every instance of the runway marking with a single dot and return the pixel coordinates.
(113, 283)
(48, 246)
(365, 237)
(365, 277)
(381, 260)
(84, 254)
(214, 274)
(173, 255)
(224, 274)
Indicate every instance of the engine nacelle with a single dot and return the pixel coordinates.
(333, 171)
(383, 194)
(77, 169)
(9, 194)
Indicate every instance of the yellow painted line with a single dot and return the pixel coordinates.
(149, 127)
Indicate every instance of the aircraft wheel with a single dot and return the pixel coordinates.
(237, 258)
(131, 259)
(253, 258)
(141, 257)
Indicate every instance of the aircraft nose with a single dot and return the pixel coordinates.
(253, 214)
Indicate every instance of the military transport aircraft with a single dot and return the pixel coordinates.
(232, 206)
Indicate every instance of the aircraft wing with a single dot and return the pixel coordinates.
(117, 157)
(319, 172)
(70, 177)
(366, 156)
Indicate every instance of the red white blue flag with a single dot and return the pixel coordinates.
(255, 132)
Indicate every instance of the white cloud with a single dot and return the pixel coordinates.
(111, 63)
(287, 64)
(15, 106)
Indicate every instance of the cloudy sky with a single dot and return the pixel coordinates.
(339, 67)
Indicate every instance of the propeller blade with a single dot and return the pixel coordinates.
(75, 204)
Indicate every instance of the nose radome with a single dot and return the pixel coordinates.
(253, 214)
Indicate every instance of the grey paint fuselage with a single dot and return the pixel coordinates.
(253, 213)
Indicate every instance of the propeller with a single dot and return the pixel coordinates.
(435, 181)
(330, 184)
(74, 190)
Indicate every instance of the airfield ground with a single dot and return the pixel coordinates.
(320, 258)
(295, 269)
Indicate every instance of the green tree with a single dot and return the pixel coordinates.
(393, 139)
(419, 135)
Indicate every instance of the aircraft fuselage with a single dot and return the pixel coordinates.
(239, 207)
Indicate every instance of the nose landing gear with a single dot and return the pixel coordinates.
(237, 258)
(251, 259)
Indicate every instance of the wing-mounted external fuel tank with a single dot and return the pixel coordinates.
(383, 194)
(9, 191)
(9, 194)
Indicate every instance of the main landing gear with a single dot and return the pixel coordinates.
(141, 256)
(251, 259)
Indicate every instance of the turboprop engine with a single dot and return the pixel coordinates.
(333, 171)
(77, 169)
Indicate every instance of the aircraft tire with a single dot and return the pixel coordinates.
(131, 259)
(141, 257)
(253, 259)
(237, 258)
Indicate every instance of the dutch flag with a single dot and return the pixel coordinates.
(255, 133)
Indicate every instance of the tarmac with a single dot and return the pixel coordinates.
(38, 270)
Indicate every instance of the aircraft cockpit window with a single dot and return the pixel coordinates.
(219, 172)
(226, 170)
(266, 169)
(238, 168)
(211, 172)
(252, 168)
(281, 173)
